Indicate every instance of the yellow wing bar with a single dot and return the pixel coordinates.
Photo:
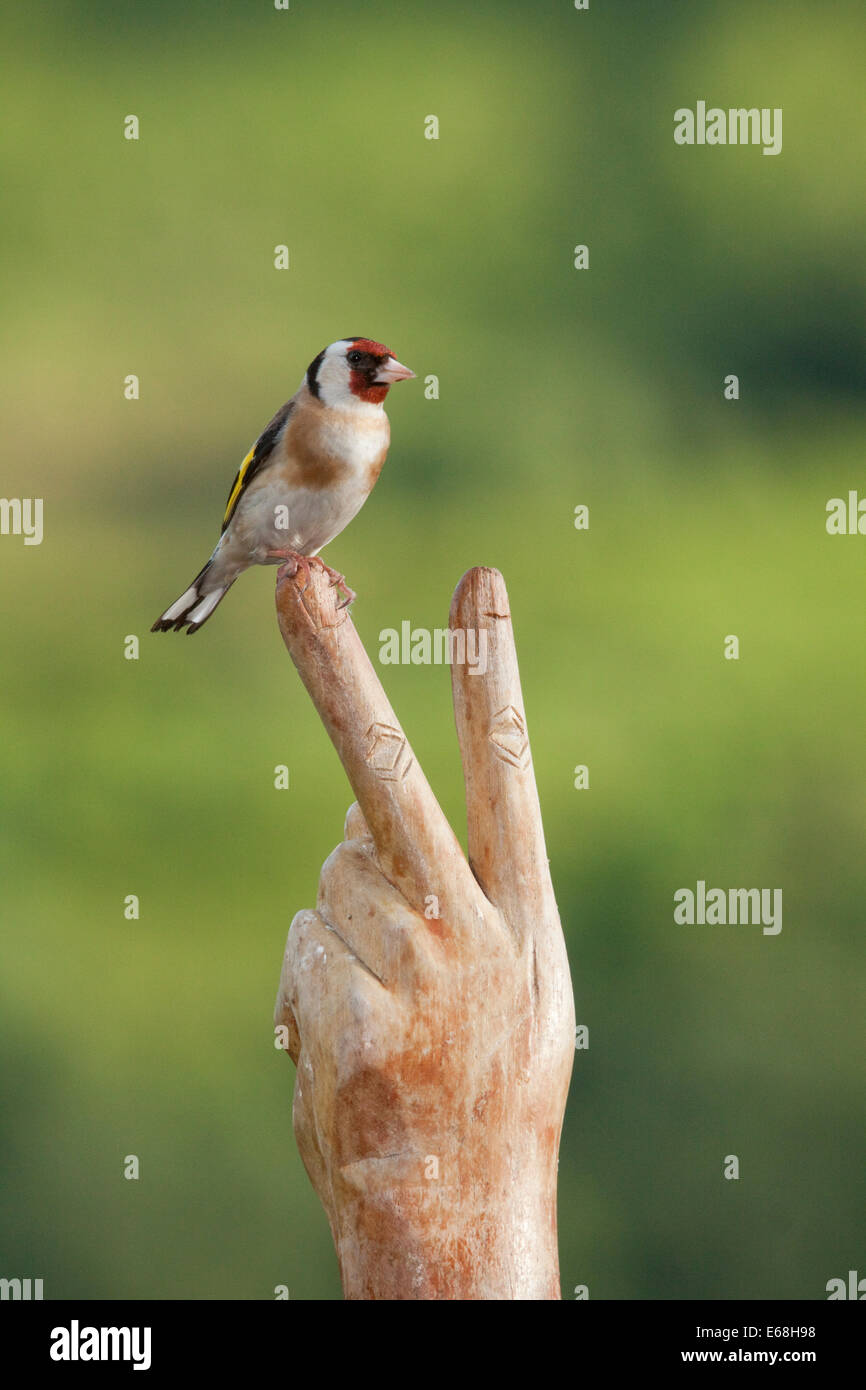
(258, 457)
(238, 486)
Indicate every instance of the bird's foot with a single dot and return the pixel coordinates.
(294, 564)
(338, 581)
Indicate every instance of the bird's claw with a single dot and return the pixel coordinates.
(296, 563)
(338, 581)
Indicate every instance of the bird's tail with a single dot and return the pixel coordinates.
(194, 606)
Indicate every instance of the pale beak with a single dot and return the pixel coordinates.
(391, 372)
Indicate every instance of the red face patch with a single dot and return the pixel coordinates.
(360, 386)
(362, 381)
(368, 345)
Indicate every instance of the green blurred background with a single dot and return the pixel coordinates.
(557, 387)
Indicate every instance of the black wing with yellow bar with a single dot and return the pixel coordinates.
(255, 459)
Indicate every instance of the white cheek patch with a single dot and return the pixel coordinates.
(333, 377)
(333, 382)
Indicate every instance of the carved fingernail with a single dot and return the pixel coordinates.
(508, 736)
(387, 752)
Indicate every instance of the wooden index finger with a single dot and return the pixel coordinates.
(505, 833)
(416, 848)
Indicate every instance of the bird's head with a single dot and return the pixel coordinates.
(355, 371)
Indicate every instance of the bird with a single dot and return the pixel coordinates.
(308, 474)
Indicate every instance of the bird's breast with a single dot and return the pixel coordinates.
(330, 449)
(322, 473)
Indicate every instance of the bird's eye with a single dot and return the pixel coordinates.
(354, 357)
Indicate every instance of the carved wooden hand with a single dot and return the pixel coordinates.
(427, 1001)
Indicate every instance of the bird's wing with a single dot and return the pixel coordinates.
(256, 459)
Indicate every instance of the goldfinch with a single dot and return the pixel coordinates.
(309, 472)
